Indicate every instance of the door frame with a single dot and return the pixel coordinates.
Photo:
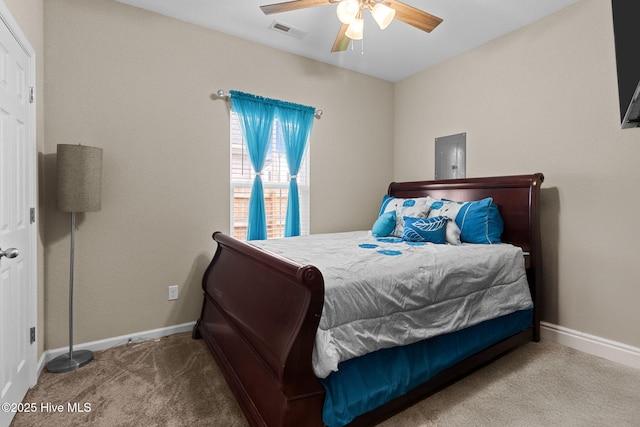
(14, 28)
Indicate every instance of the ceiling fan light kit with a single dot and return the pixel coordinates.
(350, 15)
(383, 15)
(347, 11)
(355, 31)
(350, 11)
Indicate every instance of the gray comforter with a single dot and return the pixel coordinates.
(381, 293)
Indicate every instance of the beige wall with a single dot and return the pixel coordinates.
(29, 16)
(545, 99)
(140, 86)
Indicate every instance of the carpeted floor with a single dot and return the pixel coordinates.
(175, 382)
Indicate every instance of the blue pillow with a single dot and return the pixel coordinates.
(384, 225)
(480, 222)
(425, 229)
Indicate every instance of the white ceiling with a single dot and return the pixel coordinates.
(393, 54)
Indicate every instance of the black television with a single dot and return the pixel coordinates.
(627, 38)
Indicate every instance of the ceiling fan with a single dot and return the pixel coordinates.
(350, 14)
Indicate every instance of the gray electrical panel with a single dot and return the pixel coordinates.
(451, 154)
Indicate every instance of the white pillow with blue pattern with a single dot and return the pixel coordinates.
(450, 210)
(415, 208)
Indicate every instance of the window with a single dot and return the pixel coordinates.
(275, 180)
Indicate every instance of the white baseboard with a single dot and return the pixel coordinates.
(115, 342)
(601, 347)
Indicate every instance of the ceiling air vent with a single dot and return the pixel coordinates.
(281, 28)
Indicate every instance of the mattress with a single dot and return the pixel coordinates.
(386, 292)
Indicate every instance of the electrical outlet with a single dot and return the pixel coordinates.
(173, 292)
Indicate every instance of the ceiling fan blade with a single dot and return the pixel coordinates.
(416, 17)
(293, 5)
(342, 41)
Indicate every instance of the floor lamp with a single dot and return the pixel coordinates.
(79, 185)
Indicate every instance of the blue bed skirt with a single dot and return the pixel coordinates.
(364, 383)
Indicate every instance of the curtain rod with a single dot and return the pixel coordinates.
(224, 94)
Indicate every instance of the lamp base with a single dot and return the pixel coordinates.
(65, 364)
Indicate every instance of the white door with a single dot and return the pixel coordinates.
(17, 230)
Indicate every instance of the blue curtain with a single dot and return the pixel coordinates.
(256, 116)
(296, 122)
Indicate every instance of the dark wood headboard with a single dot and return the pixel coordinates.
(512, 194)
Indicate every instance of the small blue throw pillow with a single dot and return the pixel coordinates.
(480, 222)
(384, 225)
(432, 230)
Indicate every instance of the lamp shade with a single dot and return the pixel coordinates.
(383, 15)
(355, 31)
(347, 11)
(79, 178)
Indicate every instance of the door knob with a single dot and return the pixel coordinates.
(9, 253)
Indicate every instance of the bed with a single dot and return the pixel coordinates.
(261, 315)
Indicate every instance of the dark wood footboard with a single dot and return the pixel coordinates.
(261, 311)
(259, 320)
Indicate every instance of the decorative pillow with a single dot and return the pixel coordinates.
(384, 225)
(415, 208)
(480, 222)
(450, 210)
(425, 229)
